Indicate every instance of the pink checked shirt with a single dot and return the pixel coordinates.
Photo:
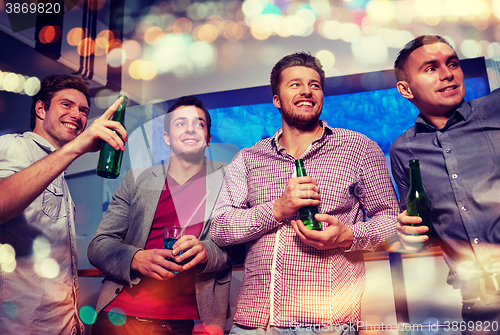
(287, 282)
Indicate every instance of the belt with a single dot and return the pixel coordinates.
(482, 287)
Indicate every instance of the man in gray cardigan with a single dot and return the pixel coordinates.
(143, 289)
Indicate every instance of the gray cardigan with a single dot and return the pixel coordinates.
(125, 228)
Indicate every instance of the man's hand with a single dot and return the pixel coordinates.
(411, 236)
(299, 192)
(100, 130)
(152, 263)
(335, 235)
(191, 247)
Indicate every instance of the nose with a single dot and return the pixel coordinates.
(75, 113)
(190, 128)
(445, 73)
(305, 90)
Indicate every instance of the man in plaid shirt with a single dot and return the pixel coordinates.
(298, 279)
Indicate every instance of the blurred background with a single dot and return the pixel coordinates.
(160, 50)
(156, 51)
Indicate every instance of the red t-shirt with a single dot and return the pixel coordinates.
(179, 205)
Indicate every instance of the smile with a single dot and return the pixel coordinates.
(70, 126)
(448, 89)
(304, 103)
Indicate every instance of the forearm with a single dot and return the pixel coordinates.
(370, 234)
(22, 188)
(237, 226)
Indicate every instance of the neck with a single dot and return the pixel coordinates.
(296, 141)
(182, 169)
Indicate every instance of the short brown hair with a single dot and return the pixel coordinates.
(296, 59)
(404, 54)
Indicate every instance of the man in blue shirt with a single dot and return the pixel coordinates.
(458, 146)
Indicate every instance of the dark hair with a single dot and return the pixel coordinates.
(51, 85)
(296, 59)
(402, 59)
(187, 101)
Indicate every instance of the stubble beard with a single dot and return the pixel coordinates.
(300, 122)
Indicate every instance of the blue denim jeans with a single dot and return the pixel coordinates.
(296, 330)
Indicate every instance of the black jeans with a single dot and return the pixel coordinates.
(480, 308)
(131, 325)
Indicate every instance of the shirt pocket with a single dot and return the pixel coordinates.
(53, 202)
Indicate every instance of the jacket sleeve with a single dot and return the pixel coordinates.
(108, 250)
(220, 258)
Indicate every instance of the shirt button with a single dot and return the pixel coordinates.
(448, 151)
(476, 240)
(117, 291)
(454, 176)
(464, 209)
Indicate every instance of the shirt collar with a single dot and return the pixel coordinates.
(42, 142)
(327, 130)
(462, 113)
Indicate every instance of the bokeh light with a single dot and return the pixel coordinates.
(88, 315)
(470, 48)
(86, 47)
(74, 36)
(10, 82)
(32, 86)
(101, 98)
(206, 33)
(153, 35)
(47, 268)
(117, 317)
(349, 32)
(7, 258)
(41, 248)
(116, 57)
(132, 49)
(10, 309)
(184, 24)
(382, 11)
(49, 34)
(326, 58)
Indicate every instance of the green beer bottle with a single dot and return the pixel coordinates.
(110, 159)
(307, 213)
(417, 200)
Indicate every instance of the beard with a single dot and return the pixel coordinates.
(300, 121)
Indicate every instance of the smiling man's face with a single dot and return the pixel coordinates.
(65, 119)
(435, 81)
(188, 131)
(300, 97)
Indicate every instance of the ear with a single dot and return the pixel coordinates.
(404, 89)
(40, 110)
(166, 138)
(276, 101)
(209, 138)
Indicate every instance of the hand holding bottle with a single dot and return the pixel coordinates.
(299, 192)
(102, 129)
(410, 231)
(335, 235)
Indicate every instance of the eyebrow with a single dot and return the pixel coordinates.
(434, 61)
(300, 79)
(85, 108)
(183, 118)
